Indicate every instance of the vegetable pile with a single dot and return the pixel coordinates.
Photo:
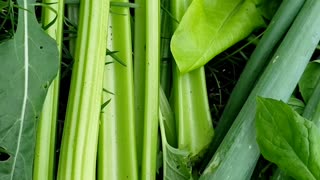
(159, 89)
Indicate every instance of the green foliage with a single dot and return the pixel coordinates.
(210, 27)
(29, 62)
(287, 139)
(309, 80)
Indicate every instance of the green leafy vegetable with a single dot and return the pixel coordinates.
(309, 79)
(287, 139)
(210, 27)
(29, 62)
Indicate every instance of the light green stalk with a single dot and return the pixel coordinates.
(139, 72)
(151, 110)
(44, 161)
(192, 112)
(117, 158)
(80, 136)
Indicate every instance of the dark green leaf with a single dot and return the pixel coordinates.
(210, 27)
(29, 62)
(309, 79)
(287, 139)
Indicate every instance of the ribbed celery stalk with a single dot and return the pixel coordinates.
(151, 108)
(257, 62)
(117, 158)
(238, 152)
(139, 72)
(80, 135)
(192, 112)
(44, 160)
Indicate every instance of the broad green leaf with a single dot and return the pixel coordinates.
(210, 27)
(29, 62)
(309, 79)
(288, 140)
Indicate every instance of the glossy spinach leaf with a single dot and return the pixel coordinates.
(210, 27)
(287, 139)
(309, 80)
(29, 62)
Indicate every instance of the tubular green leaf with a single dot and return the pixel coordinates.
(151, 110)
(80, 135)
(255, 66)
(44, 161)
(117, 158)
(238, 152)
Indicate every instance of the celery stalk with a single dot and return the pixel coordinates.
(192, 113)
(151, 109)
(139, 72)
(117, 158)
(80, 135)
(44, 161)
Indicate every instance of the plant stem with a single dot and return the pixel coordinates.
(256, 64)
(80, 135)
(44, 161)
(139, 73)
(191, 107)
(151, 110)
(117, 158)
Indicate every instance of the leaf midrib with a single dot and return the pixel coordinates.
(26, 77)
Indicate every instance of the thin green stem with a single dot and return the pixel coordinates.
(44, 161)
(151, 110)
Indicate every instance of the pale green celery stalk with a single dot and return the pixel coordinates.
(117, 158)
(165, 67)
(192, 112)
(311, 112)
(44, 161)
(73, 16)
(257, 62)
(139, 55)
(151, 109)
(80, 135)
(237, 155)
